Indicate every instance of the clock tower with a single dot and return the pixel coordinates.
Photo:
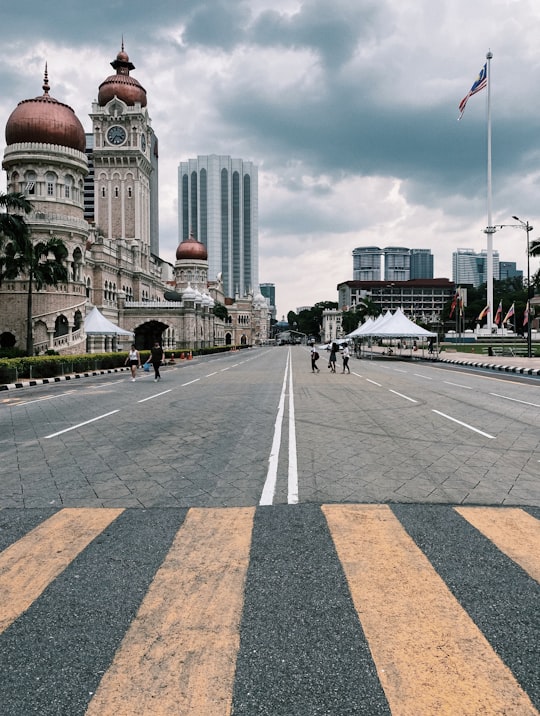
(123, 161)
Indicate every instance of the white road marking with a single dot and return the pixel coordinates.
(151, 397)
(402, 396)
(208, 375)
(425, 377)
(465, 425)
(374, 383)
(79, 425)
(458, 385)
(190, 382)
(292, 497)
(515, 400)
(267, 496)
(38, 400)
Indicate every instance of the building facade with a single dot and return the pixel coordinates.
(218, 202)
(98, 193)
(400, 263)
(421, 299)
(469, 267)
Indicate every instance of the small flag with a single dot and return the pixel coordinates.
(526, 315)
(483, 313)
(498, 314)
(509, 314)
(479, 84)
(454, 303)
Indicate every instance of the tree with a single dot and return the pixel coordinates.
(42, 263)
(220, 311)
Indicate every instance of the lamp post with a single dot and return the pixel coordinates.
(528, 228)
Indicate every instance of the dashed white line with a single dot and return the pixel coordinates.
(458, 385)
(374, 383)
(79, 425)
(151, 397)
(190, 382)
(515, 400)
(402, 396)
(425, 377)
(465, 425)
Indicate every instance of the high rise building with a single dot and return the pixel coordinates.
(421, 263)
(400, 264)
(469, 267)
(367, 263)
(508, 269)
(268, 290)
(397, 264)
(218, 203)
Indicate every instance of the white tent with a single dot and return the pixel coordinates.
(95, 323)
(399, 326)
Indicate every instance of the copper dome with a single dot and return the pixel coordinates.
(191, 249)
(121, 85)
(45, 119)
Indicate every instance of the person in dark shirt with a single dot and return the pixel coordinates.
(156, 356)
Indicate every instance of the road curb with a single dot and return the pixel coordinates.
(522, 370)
(59, 378)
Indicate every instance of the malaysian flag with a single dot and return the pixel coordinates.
(498, 315)
(509, 314)
(454, 303)
(479, 84)
(526, 315)
(483, 313)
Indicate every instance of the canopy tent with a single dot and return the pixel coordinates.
(399, 326)
(95, 323)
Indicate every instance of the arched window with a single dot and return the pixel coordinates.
(68, 186)
(103, 192)
(116, 192)
(130, 192)
(50, 181)
(30, 186)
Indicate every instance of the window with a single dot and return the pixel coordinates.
(103, 192)
(116, 192)
(129, 192)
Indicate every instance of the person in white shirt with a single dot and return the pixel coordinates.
(346, 354)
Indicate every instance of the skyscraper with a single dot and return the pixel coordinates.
(218, 203)
(421, 263)
(367, 263)
(469, 267)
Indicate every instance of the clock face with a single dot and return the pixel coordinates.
(116, 135)
(143, 142)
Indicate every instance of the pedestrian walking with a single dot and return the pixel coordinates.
(346, 354)
(134, 361)
(332, 359)
(314, 359)
(155, 358)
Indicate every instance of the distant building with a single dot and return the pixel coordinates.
(268, 290)
(400, 263)
(469, 267)
(508, 269)
(420, 299)
(421, 263)
(367, 263)
(218, 202)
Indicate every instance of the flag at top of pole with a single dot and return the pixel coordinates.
(479, 84)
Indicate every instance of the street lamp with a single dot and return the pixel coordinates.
(528, 228)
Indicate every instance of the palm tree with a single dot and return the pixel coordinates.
(41, 263)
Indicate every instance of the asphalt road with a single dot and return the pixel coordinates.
(247, 537)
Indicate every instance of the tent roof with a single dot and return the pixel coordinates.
(96, 323)
(399, 326)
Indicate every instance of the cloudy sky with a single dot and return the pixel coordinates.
(348, 107)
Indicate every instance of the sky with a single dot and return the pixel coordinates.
(349, 109)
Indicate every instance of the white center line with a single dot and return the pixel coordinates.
(190, 382)
(465, 425)
(374, 383)
(208, 375)
(292, 497)
(425, 377)
(267, 497)
(79, 425)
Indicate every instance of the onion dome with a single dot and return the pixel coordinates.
(191, 249)
(189, 294)
(207, 300)
(45, 120)
(121, 85)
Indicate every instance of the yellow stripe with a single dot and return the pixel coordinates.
(513, 531)
(31, 564)
(430, 656)
(179, 655)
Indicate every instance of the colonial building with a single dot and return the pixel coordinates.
(99, 196)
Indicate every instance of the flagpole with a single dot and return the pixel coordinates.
(490, 229)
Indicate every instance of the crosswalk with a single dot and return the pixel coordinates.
(408, 610)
